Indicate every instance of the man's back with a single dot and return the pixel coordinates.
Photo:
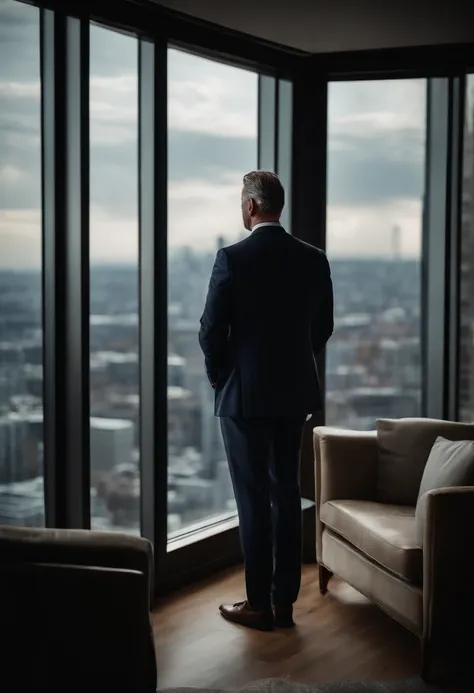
(268, 313)
(280, 308)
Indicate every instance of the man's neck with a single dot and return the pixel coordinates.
(259, 224)
(264, 220)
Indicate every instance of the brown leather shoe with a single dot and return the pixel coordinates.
(243, 614)
(283, 616)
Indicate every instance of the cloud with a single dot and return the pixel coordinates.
(112, 54)
(195, 155)
(206, 107)
(369, 171)
(208, 97)
(208, 140)
(14, 16)
(375, 163)
(20, 238)
(20, 90)
(195, 217)
(113, 238)
(200, 212)
(397, 98)
(368, 231)
(19, 42)
(113, 108)
(376, 141)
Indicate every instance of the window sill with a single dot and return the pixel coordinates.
(202, 530)
(205, 529)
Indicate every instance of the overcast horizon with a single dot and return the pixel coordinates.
(375, 165)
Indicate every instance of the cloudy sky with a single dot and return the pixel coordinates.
(376, 151)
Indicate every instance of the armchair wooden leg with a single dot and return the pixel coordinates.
(324, 576)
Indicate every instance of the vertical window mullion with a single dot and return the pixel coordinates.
(53, 31)
(153, 293)
(308, 222)
(77, 238)
(64, 46)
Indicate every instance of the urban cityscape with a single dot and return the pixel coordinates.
(373, 369)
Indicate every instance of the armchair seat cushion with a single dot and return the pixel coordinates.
(384, 533)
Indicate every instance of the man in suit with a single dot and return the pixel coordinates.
(268, 314)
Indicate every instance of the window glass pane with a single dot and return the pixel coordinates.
(21, 351)
(466, 336)
(376, 140)
(115, 477)
(213, 123)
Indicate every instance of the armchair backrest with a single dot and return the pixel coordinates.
(77, 547)
(404, 446)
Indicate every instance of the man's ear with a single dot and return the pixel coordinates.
(252, 206)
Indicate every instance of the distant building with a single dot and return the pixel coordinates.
(111, 443)
(12, 372)
(224, 499)
(20, 446)
(176, 370)
(22, 503)
(183, 419)
(369, 404)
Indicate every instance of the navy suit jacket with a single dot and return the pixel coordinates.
(268, 314)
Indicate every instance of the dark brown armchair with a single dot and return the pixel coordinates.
(75, 610)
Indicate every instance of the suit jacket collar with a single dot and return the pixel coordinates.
(266, 226)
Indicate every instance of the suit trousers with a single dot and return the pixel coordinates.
(263, 455)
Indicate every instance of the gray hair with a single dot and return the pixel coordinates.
(266, 189)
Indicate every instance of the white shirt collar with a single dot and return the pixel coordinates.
(265, 223)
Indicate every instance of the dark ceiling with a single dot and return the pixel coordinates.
(325, 26)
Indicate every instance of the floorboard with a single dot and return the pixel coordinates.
(339, 636)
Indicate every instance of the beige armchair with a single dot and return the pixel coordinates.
(371, 545)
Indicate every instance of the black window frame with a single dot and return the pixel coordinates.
(65, 78)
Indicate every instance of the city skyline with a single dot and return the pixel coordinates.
(376, 151)
(374, 361)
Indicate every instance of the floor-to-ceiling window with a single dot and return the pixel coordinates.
(219, 127)
(466, 314)
(114, 312)
(212, 143)
(376, 168)
(21, 339)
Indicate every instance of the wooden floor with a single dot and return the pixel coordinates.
(339, 636)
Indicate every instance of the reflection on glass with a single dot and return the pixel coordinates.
(212, 120)
(376, 140)
(466, 335)
(114, 374)
(21, 352)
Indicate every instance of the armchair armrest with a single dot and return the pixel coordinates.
(78, 547)
(448, 575)
(345, 468)
(346, 464)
